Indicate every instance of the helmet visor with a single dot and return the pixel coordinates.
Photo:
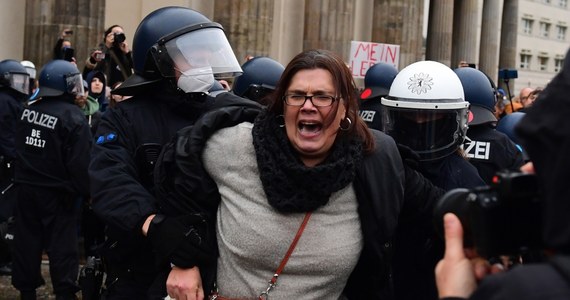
(74, 84)
(207, 47)
(431, 133)
(19, 82)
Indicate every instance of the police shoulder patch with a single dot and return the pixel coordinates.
(106, 138)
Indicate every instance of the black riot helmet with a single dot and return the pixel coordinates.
(14, 76)
(59, 78)
(378, 80)
(260, 77)
(480, 94)
(176, 40)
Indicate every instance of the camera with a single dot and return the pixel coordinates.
(68, 53)
(69, 32)
(508, 74)
(118, 39)
(504, 218)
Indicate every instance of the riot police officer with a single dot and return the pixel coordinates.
(260, 77)
(377, 82)
(426, 111)
(487, 149)
(178, 53)
(14, 81)
(52, 145)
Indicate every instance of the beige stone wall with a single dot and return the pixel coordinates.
(12, 25)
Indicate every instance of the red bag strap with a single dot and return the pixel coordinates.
(273, 280)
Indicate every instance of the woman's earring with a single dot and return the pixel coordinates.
(346, 121)
(280, 120)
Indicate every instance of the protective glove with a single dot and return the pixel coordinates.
(182, 241)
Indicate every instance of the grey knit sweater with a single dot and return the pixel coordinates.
(253, 237)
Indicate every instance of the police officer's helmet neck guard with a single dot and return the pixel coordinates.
(183, 46)
(426, 110)
(14, 76)
(60, 78)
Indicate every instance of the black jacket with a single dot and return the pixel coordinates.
(10, 109)
(490, 151)
(128, 140)
(382, 187)
(52, 143)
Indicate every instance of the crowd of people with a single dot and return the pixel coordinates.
(289, 184)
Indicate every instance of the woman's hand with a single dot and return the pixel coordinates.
(185, 284)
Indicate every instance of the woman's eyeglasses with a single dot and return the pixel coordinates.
(316, 100)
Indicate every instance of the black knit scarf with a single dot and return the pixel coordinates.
(290, 186)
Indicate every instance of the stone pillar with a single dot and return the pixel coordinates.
(46, 19)
(399, 22)
(490, 37)
(363, 14)
(508, 54)
(248, 25)
(329, 25)
(466, 18)
(12, 22)
(440, 31)
(288, 27)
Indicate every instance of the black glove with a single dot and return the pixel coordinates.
(409, 157)
(182, 241)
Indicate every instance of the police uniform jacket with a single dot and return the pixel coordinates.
(128, 141)
(10, 109)
(53, 141)
(490, 151)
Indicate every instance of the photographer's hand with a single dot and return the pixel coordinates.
(124, 47)
(455, 275)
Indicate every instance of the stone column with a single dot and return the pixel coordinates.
(12, 22)
(329, 25)
(46, 19)
(363, 14)
(248, 25)
(509, 30)
(466, 18)
(288, 27)
(440, 31)
(490, 37)
(399, 22)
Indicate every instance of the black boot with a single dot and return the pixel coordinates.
(6, 269)
(28, 295)
(66, 296)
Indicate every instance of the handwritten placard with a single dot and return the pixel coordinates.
(365, 54)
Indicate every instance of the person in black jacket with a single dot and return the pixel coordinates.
(14, 89)
(52, 145)
(544, 133)
(247, 184)
(488, 150)
(113, 57)
(177, 51)
(426, 111)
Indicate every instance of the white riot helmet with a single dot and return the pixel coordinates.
(426, 110)
(30, 68)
